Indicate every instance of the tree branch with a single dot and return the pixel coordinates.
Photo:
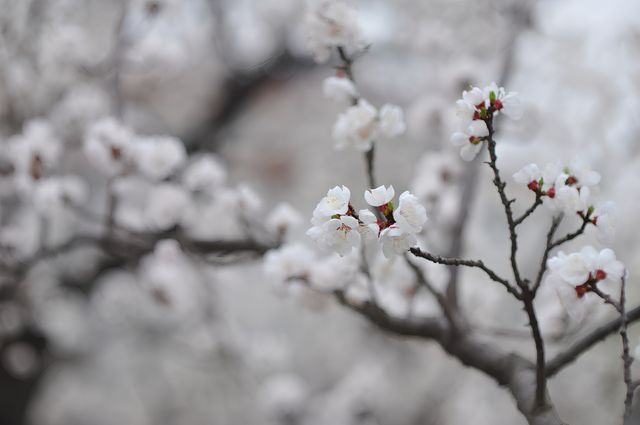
(467, 263)
(571, 354)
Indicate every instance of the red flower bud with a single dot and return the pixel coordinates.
(581, 290)
(601, 274)
(533, 185)
(551, 193)
(497, 104)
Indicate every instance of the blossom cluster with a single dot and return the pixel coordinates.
(336, 226)
(581, 273)
(332, 24)
(476, 110)
(569, 189)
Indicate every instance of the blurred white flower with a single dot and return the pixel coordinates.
(166, 206)
(290, 261)
(108, 146)
(36, 150)
(357, 127)
(205, 174)
(159, 157)
(282, 218)
(330, 24)
(55, 193)
(339, 89)
(392, 122)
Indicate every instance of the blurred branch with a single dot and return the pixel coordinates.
(571, 354)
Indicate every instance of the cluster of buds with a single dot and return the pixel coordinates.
(476, 110)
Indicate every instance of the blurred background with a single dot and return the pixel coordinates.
(165, 338)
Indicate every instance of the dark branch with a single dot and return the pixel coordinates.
(467, 263)
(571, 354)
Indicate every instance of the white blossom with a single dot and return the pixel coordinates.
(330, 24)
(108, 146)
(159, 157)
(572, 276)
(289, 261)
(506, 103)
(470, 141)
(282, 218)
(336, 202)
(392, 122)
(57, 192)
(379, 196)
(603, 217)
(587, 265)
(339, 89)
(395, 241)
(36, 150)
(357, 127)
(166, 206)
(410, 215)
(369, 228)
(338, 234)
(205, 174)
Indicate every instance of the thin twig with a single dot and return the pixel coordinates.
(447, 309)
(506, 202)
(547, 250)
(467, 263)
(572, 235)
(530, 210)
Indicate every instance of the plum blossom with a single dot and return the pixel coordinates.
(506, 103)
(395, 241)
(108, 146)
(159, 157)
(165, 206)
(288, 262)
(336, 202)
(338, 234)
(330, 24)
(580, 272)
(379, 196)
(56, 192)
(392, 122)
(357, 127)
(205, 174)
(369, 227)
(339, 89)
(410, 216)
(470, 140)
(539, 180)
(282, 218)
(34, 151)
(603, 217)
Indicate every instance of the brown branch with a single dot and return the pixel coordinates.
(571, 354)
(507, 369)
(500, 186)
(555, 222)
(530, 210)
(449, 312)
(572, 235)
(467, 263)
